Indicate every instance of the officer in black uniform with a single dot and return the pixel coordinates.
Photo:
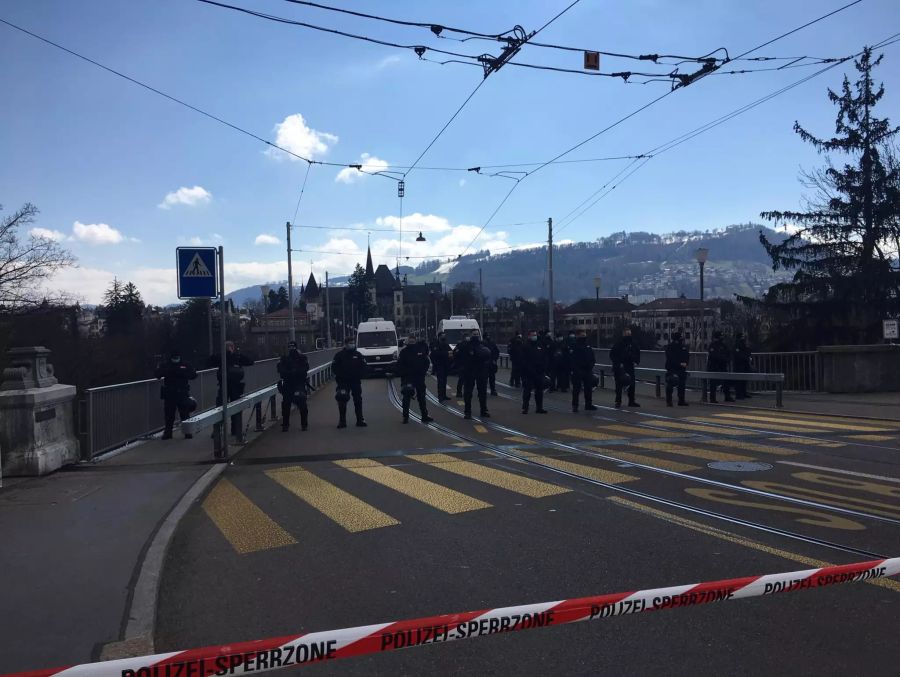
(624, 356)
(412, 366)
(677, 358)
(534, 370)
(176, 391)
(583, 361)
(495, 356)
(235, 361)
(717, 360)
(741, 360)
(292, 368)
(440, 362)
(561, 361)
(349, 366)
(457, 361)
(475, 367)
(515, 350)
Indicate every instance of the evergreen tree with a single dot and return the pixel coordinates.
(358, 292)
(844, 247)
(282, 298)
(124, 308)
(272, 301)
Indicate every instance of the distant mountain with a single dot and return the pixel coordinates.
(641, 265)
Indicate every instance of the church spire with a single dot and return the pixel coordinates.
(370, 269)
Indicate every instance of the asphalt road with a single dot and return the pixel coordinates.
(333, 528)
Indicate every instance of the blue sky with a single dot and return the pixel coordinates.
(124, 176)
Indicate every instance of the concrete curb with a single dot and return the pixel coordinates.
(139, 631)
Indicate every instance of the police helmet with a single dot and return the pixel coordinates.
(671, 379)
(191, 404)
(547, 382)
(342, 395)
(407, 390)
(595, 381)
(625, 379)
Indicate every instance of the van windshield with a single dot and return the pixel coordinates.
(455, 336)
(376, 339)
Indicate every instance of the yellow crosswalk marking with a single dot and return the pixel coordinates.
(884, 423)
(809, 423)
(809, 441)
(828, 498)
(241, 522)
(663, 463)
(520, 440)
(480, 428)
(695, 452)
(701, 428)
(872, 438)
(752, 446)
(339, 506)
(643, 432)
(435, 495)
(760, 425)
(463, 445)
(587, 434)
(493, 476)
(599, 474)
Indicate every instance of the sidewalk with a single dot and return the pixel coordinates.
(73, 546)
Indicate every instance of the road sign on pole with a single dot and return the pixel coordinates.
(197, 277)
(890, 329)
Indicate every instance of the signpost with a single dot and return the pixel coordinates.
(201, 275)
(891, 330)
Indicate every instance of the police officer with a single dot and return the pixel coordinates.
(457, 360)
(624, 355)
(475, 367)
(741, 360)
(440, 362)
(348, 367)
(176, 391)
(717, 360)
(495, 356)
(515, 350)
(412, 366)
(562, 363)
(534, 370)
(677, 357)
(583, 361)
(235, 361)
(292, 368)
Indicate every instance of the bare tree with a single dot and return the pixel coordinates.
(27, 261)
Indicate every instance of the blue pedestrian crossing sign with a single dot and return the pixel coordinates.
(196, 272)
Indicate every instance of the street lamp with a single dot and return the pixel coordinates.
(701, 255)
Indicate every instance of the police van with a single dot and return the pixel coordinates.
(376, 339)
(457, 328)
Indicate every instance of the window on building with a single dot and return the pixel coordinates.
(302, 339)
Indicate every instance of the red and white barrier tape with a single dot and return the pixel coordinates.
(296, 650)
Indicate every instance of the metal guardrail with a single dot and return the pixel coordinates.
(114, 415)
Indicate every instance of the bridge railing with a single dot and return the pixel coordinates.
(114, 415)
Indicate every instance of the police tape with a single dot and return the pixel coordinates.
(297, 650)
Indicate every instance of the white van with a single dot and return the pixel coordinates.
(376, 339)
(457, 328)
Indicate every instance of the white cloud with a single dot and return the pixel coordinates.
(427, 223)
(198, 195)
(388, 61)
(48, 234)
(97, 233)
(195, 241)
(369, 163)
(294, 135)
(462, 182)
(263, 238)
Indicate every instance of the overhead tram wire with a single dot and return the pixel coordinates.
(174, 99)
(302, 190)
(677, 141)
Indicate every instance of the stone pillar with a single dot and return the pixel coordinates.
(37, 422)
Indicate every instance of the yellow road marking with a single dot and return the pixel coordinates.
(826, 497)
(740, 540)
(643, 432)
(464, 445)
(480, 428)
(599, 474)
(694, 452)
(587, 434)
(663, 463)
(339, 506)
(460, 403)
(819, 519)
(883, 478)
(435, 495)
(817, 423)
(241, 522)
(809, 441)
(885, 423)
(493, 476)
(701, 428)
(752, 446)
(761, 426)
(871, 438)
(520, 440)
(846, 483)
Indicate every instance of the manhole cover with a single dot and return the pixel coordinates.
(739, 466)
